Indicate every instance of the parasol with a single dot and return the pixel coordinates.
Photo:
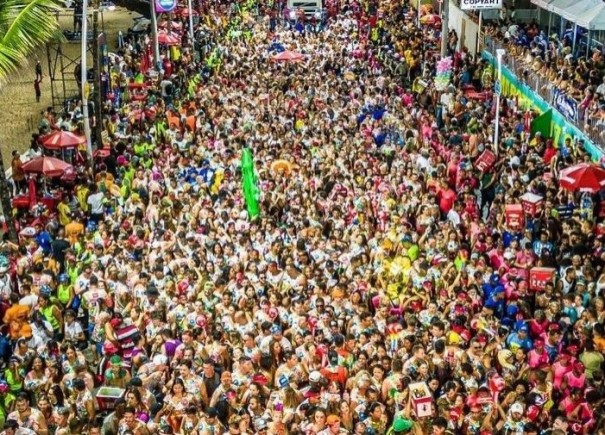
(583, 177)
(166, 38)
(60, 139)
(47, 166)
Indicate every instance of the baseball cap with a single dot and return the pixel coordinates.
(516, 407)
(332, 419)
(315, 376)
(276, 329)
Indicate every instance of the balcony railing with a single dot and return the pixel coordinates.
(590, 120)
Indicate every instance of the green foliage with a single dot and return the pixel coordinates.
(24, 26)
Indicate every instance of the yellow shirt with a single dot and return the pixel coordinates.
(64, 212)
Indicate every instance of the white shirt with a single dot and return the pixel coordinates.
(95, 201)
(73, 331)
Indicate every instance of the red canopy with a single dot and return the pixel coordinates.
(62, 139)
(48, 166)
(584, 177)
(166, 38)
(174, 25)
(288, 56)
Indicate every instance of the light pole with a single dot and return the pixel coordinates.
(445, 17)
(154, 35)
(191, 35)
(497, 89)
(84, 76)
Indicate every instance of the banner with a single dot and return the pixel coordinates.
(163, 6)
(566, 105)
(475, 5)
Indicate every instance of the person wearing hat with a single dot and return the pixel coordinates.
(520, 339)
(276, 334)
(401, 425)
(333, 423)
(116, 375)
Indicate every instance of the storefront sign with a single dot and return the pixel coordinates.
(475, 5)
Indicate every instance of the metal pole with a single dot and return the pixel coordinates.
(499, 53)
(444, 27)
(418, 13)
(588, 41)
(549, 24)
(84, 71)
(479, 33)
(191, 35)
(154, 32)
(573, 44)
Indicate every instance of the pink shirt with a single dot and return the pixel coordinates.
(559, 372)
(535, 359)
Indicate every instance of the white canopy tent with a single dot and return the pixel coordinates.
(593, 19)
(589, 14)
(542, 4)
(560, 6)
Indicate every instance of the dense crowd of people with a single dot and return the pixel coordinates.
(383, 288)
(555, 61)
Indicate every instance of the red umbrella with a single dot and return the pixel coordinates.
(174, 25)
(584, 177)
(62, 139)
(166, 38)
(48, 166)
(288, 56)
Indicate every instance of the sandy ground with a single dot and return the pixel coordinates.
(18, 106)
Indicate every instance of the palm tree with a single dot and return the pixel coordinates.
(24, 26)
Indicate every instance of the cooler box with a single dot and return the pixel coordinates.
(107, 396)
(485, 161)
(539, 276)
(532, 203)
(513, 213)
(127, 332)
(421, 399)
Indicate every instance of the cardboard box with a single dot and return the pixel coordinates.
(422, 400)
(513, 214)
(539, 276)
(532, 203)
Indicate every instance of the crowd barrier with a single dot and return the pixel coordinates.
(537, 92)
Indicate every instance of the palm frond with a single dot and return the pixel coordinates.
(25, 25)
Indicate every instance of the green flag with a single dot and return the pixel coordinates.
(249, 183)
(542, 124)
